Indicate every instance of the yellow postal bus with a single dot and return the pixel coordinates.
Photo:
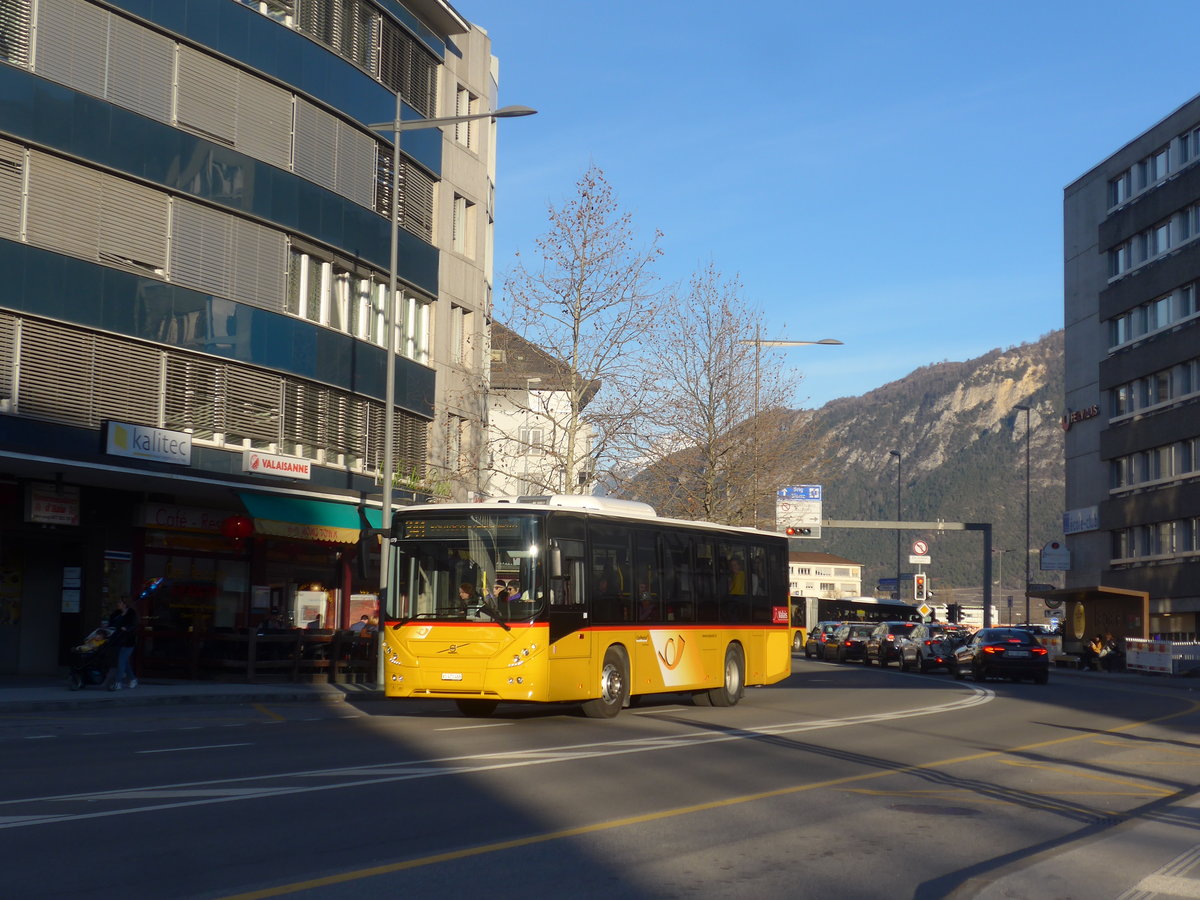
(580, 599)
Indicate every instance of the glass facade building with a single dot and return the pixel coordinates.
(195, 224)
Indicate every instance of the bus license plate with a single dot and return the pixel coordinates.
(452, 676)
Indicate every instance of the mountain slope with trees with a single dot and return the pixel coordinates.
(962, 445)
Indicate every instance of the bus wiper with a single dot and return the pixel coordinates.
(495, 614)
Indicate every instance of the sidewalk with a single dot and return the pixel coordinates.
(20, 693)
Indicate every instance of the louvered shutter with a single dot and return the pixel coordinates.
(355, 165)
(316, 145)
(201, 248)
(264, 121)
(8, 359)
(345, 428)
(315, 18)
(421, 83)
(141, 69)
(416, 201)
(207, 95)
(55, 374)
(252, 402)
(14, 31)
(258, 270)
(63, 206)
(304, 417)
(72, 44)
(12, 177)
(126, 382)
(391, 56)
(133, 226)
(195, 391)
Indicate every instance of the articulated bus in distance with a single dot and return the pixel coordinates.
(808, 611)
(608, 602)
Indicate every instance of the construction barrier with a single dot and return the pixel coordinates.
(1162, 657)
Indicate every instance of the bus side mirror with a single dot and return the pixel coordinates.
(555, 562)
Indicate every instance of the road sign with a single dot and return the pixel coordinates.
(920, 548)
(799, 507)
(922, 560)
(924, 610)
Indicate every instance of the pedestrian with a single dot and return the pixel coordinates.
(124, 624)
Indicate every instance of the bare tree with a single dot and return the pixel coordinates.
(722, 439)
(588, 301)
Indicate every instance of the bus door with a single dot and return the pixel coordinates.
(567, 610)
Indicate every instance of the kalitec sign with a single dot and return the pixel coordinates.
(1078, 415)
(258, 463)
(143, 442)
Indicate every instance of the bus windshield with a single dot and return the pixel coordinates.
(469, 567)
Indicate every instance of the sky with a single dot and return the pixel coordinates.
(887, 174)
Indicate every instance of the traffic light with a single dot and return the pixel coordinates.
(953, 613)
(798, 532)
(920, 587)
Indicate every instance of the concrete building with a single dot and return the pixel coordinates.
(1132, 418)
(195, 235)
(823, 575)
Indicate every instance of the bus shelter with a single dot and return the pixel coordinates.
(1098, 609)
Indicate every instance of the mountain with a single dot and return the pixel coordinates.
(962, 447)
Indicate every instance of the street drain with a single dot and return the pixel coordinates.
(930, 809)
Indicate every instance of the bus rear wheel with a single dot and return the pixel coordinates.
(733, 685)
(477, 709)
(614, 687)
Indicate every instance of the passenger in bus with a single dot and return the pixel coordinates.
(737, 576)
(647, 608)
(468, 598)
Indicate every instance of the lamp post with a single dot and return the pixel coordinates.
(396, 126)
(528, 450)
(896, 453)
(759, 343)
(1027, 426)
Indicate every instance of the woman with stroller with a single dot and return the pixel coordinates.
(124, 622)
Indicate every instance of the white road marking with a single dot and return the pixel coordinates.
(204, 747)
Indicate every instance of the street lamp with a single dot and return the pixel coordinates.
(396, 126)
(896, 453)
(1027, 411)
(759, 343)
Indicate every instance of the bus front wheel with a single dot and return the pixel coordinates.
(614, 687)
(733, 686)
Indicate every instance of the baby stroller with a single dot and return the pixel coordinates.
(91, 660)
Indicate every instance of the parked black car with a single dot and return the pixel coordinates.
(881, 645)
(930, 646)
(1012, 652)
(815, 642)
(848, 642)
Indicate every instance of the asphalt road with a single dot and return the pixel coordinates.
(843, 781)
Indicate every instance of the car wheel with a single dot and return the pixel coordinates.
(1042, 678)
(75, 681)
(477, 709)
(977, 673)
(903, 663)
(841, 656)
(807, 653)
(734, 684)
(866, 658)
(614, 687)
(958, 673)
(922, 664)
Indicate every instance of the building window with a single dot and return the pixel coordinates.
(463, 226)
(466, 133)
(532, 441)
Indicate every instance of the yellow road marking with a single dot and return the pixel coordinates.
(533, 840)
(268, 713)
(1064, 770)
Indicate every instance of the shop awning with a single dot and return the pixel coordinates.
(302, 519)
